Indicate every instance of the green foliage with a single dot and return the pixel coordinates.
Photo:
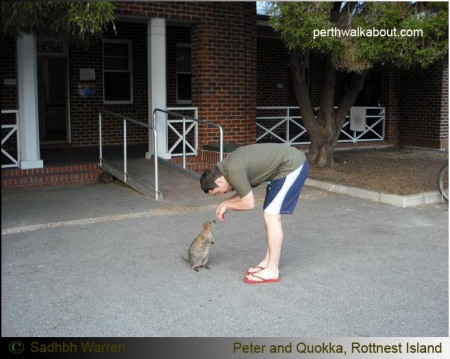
(76, 18)
(358, 35)
(296, 21)
(419, 33)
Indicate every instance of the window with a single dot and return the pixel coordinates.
(46, 46)
(117, 74)
(184, 75)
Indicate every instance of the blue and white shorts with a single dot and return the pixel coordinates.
(282, 194)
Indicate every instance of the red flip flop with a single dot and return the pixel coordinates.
(261, 268)
(248, 281)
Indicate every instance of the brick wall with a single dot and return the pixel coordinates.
(224, 70)
(227, 82)
(223, 36)
(416, 100)
(390, 98)
(443, 133)
(423, 113)
(84, 110)
(224, 73)
(272, 72)
(9, 100)
(8, 57)
(50, 176)
(175, 35)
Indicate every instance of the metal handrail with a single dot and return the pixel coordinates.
(155, 144)
(208, 123)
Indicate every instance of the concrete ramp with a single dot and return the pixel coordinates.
(139, 175)
(175, 184)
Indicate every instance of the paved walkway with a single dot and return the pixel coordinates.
(102, 260)
(175, 187)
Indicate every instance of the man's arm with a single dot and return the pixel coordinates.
(236, 203)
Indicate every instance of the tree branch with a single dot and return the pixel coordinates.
(326, 114)
(298, 69)
(354, 88)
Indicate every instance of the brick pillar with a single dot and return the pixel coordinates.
(251, 78)
(444, 108)
(224, 72)
(392, 104)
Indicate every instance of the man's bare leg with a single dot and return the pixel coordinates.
(263, 264)
(274, 242)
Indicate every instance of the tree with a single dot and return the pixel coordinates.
(76, 18)
(353, 37)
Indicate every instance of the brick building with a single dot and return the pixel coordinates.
(218, 60)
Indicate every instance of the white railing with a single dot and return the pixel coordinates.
(284, 124)
(374, 127)
(124, 175)
(279, 123)
(184, 120)
(182, 134)
(8, 130)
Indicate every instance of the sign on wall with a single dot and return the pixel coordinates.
(87, 74)
(86, 90)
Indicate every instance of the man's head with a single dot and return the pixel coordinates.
(212, 181)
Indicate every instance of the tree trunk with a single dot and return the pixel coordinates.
(321, 150)
(354, 88)
(322, 146)
(298, 69)
(325, 129)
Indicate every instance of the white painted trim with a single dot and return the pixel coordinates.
(157, 83)
(27, 89)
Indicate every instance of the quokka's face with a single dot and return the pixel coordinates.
(209, 225)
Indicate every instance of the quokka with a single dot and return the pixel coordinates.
(199, 250)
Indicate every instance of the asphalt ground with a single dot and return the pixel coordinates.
(101, 260)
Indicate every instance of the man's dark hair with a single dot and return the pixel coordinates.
(208, 178)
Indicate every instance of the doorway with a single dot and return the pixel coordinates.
(52, 92)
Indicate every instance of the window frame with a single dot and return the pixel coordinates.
(177, 46)
(129, 71)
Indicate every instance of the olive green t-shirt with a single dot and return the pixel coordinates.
(251, 165)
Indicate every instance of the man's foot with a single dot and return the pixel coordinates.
(263, 276)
